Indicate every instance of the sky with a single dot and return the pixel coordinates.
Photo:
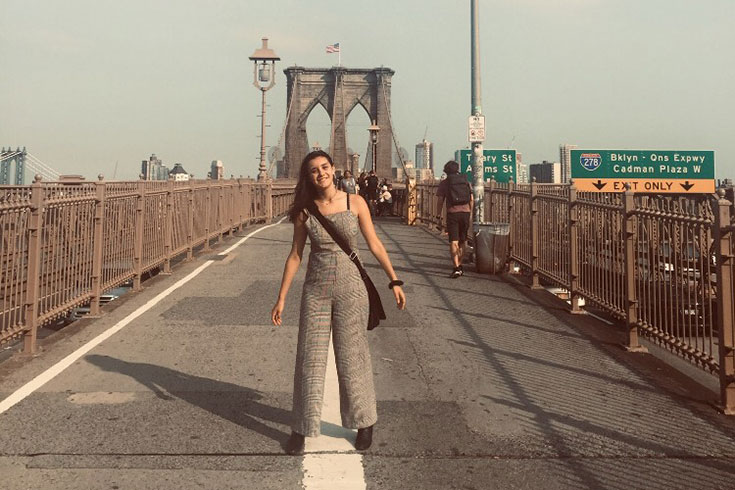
(96, 86)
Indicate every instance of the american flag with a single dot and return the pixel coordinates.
(333, 48)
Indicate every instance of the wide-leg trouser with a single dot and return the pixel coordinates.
(338, 305)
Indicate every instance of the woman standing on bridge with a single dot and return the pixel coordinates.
(334, 299)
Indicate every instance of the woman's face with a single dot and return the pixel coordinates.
(321, 173)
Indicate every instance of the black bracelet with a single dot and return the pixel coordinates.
(397, 282)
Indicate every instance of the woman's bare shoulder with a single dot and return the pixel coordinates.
(358, 202)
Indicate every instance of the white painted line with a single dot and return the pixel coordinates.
(242, 240)
(46, 376)
(334, 437)
(333, 472)
(330, 461)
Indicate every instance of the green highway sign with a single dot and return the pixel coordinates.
(673, 171)
(499, 164)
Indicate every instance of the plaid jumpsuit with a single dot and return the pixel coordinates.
(334, 301)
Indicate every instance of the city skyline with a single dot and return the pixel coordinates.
(104, 83)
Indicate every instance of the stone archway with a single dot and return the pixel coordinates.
(339, 90)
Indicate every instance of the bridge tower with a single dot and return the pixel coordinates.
(8, 158)
(339, 90)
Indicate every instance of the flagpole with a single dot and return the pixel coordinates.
(339, 55)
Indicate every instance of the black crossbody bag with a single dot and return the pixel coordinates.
(376, 306)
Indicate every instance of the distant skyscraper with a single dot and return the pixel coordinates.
(546, 172)
(565, 157)
(425, 155)
(217, 171)
(154, 169)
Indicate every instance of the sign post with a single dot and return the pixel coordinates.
(476, 117)
(476, 128)
(653, 171)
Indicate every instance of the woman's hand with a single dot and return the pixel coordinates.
(400, 297)
(276, 312)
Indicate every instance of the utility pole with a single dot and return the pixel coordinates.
(478, 169)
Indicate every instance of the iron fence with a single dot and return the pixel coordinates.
(63, 244)
(662, 265)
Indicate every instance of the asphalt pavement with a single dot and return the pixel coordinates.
(481, 383)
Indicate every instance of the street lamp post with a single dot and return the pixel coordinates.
(264, 61)
(374, 140)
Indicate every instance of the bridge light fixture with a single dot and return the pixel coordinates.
(374, 140)
(264, 62)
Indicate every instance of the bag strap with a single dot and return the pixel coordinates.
(339, 239)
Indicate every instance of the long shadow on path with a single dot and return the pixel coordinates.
(588, 425)
(240, 405)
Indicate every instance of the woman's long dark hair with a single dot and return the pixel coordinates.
(305, 191)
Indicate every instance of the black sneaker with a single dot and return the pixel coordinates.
(364, 438)
(295, 444)
(455, 273)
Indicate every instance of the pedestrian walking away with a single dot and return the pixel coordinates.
(372, 190)
(334, 302)
(456, 191)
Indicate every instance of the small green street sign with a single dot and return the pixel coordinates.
(499, 164)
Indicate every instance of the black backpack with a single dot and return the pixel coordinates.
(459, 189)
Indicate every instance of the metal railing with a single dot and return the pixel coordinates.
(662, 265)
(63, 244)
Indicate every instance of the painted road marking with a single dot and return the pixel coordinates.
(330, 461)
(46, 376)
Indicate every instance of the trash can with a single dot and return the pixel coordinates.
(491, 246)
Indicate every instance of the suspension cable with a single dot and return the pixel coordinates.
(285, 125)
(37, 165)
(392, 131)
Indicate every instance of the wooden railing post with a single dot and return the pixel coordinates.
(139, 227)
(419, 204)
(220, 211)
(535, 283)
(724, 255)
(251, 198)
(269, 201)
(168, 238)
(97, 247)
(411, 202)
(511, 228)
(574, 250)
(241, 203)
(231, 208)
(190, 225)
(490, 216)
(207, 218)
(33, 281)
(631, 299)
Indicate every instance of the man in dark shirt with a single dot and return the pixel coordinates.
(372, 189)
(458, 217)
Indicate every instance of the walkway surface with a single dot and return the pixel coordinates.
(481, 383)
